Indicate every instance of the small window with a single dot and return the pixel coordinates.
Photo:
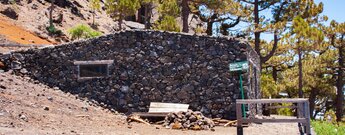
(99, 70)
(93, 69)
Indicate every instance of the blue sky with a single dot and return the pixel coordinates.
(334, 9)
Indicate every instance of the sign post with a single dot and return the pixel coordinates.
(240, 67)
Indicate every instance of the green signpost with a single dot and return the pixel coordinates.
(240, 67)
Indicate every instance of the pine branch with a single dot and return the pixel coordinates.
(276, 39)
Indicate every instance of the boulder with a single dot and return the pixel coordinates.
(2, 65)
(10, 12)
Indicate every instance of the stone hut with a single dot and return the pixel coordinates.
(128, 70)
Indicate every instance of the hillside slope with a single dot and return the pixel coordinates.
(12, 35)
(11, 32)
(27, 107)
(25, 22)
(33, 15)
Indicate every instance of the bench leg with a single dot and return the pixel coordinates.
(300, 129)
(307, 129)
(239, 130)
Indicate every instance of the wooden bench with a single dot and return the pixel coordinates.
(158, 109)
(302, 106)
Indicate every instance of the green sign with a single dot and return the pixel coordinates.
(239, 66)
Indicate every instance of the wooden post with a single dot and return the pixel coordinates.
(300, 115)
(307, 117)
(304, 116)
(239, 119)
(298, 110)
(249, 111)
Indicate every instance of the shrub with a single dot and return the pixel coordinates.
(330, 116)
(285, 111)
(168, 23)
(199, 30)
(53, 31)
(83, 31)
(326, 128)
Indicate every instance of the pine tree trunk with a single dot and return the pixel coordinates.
(148, 11)
(340, 84)
(312, 98)
(274, 73)
(93, 18)
(51, 13)
(256, 32)
(210, 21)
(120, 23)
(185, 15)
(209, 28)
(300, 74)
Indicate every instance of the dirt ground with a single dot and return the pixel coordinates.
(34, 17)
(12, 33)
(17, 34)
(28, 107)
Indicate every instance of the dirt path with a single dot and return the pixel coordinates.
(17, 34)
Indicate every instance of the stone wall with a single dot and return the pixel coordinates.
(149, 66)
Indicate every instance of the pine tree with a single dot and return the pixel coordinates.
(184, 15)
(316, 79)
(336, 35)
(301, 59)
(303, 15)
(95, 6)
(169, 11)
(305, 38)
(51, 28)
(260, 24)
(283, 12)
(149, 6)
(169, 7)
(304, 41)
(51, 9)
(272, 72)
(228, 13)
(119, 9)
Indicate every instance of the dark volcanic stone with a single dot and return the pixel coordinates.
(10, 12)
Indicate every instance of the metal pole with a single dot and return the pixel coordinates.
(242, 95)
